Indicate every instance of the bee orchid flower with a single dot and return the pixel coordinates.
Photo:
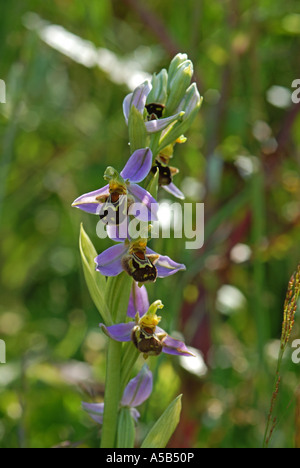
(146, 336)
(138, 260)
(167, 172)
(152, 112)
(122, 191)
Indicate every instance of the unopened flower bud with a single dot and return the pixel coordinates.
(158, 93)
(178, 84)
(175, 63)
(189, 104)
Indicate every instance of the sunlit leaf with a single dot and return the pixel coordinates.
(95, 281)
(137, 130)
(160, 434)
(117, 296)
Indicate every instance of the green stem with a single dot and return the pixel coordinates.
(112, 394)
(277, 374)
(117, 298)
(154, 143)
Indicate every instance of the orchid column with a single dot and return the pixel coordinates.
(157, 114)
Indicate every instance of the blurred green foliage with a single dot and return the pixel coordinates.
(62, 124)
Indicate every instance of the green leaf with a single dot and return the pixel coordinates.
(137, 130)
(129, 357)
(126, 429)
(117, 296)
(160, 434)
(95, 281)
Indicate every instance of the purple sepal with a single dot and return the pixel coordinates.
(109, 262)
(165, 265)
(138, 301)
(135, 414)
(138, 389)
(173, 190)
(95, 410)
(88, 201)
(137, 98)
(118, 233)
(126, 106)
(120, 332)
(153, 126)
(175, 347)
(138, 165)
(149, 213)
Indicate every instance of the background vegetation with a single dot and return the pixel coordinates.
(62, 125)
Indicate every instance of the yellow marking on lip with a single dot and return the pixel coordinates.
(116, 187)
(149, 321)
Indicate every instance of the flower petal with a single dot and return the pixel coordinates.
(120, 332)
(142, 196)
(160, 332)
(88, 201)
(138, 389)
(175, 347)
(126, 106)
(135, 414)
(118, 233)
(139, 96)
(138, 301)
(109, 261)
(153, 126)
(95, 410)
(165, 265)
(138, 165)
(171, 188)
